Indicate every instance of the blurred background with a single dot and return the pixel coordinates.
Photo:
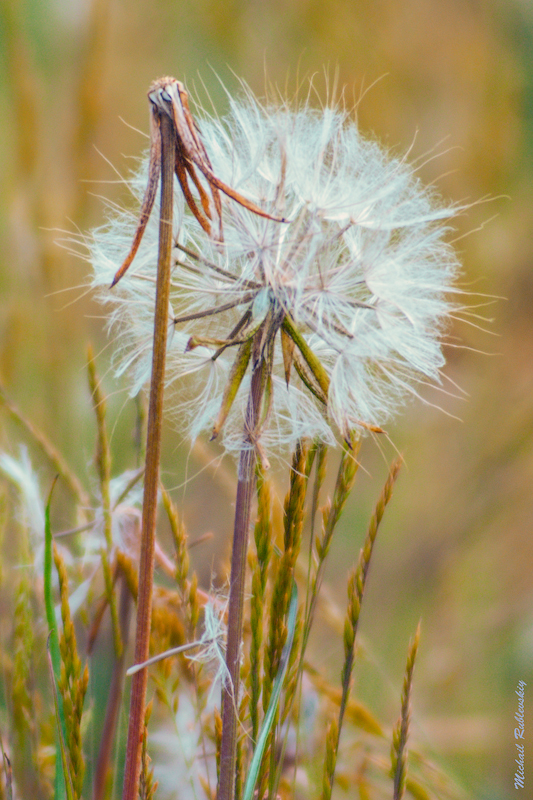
(446, 78)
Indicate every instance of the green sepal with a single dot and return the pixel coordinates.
(311, 359)
(236, 375)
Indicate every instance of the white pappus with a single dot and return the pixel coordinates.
(360, 269)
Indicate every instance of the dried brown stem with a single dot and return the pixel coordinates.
(245, 488)
(151, 478)
(154, 169)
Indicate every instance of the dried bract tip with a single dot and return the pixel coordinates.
(168, 96)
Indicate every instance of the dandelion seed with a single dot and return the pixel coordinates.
(210, 648)
(350, 293)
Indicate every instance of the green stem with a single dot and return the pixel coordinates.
(55, 654)
(151, 477)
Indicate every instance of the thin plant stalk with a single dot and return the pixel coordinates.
(103, 465)
(53, 648)
(356, 589)
(245, 489)
(151, 478)
(107, 740)
(401, 731)
(345, 479)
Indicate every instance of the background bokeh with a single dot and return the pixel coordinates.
(452, 81)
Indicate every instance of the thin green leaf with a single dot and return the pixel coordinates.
(53, 641)
(274, 698)
(48, 597)
(66, 783)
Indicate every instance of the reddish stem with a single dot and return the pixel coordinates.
(151, 477)
(107, 740)
(245, 488)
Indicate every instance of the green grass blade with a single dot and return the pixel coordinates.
(55, 655)
(63, 778)
(274, 698)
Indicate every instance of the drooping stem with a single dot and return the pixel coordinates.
(245, 488)
(151, 477)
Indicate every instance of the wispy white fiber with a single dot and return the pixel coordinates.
(212, 645)
(209, 649)
(21, 474)
(362, 268)
(126, 522)
(125, 519)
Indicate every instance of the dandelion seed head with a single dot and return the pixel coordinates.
(361, 268)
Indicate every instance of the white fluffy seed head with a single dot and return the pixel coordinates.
(361, 267)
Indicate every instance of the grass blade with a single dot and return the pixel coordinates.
(274, 698)
(53, 638)
(63, 779)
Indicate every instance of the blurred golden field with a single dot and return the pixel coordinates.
(453, 80)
